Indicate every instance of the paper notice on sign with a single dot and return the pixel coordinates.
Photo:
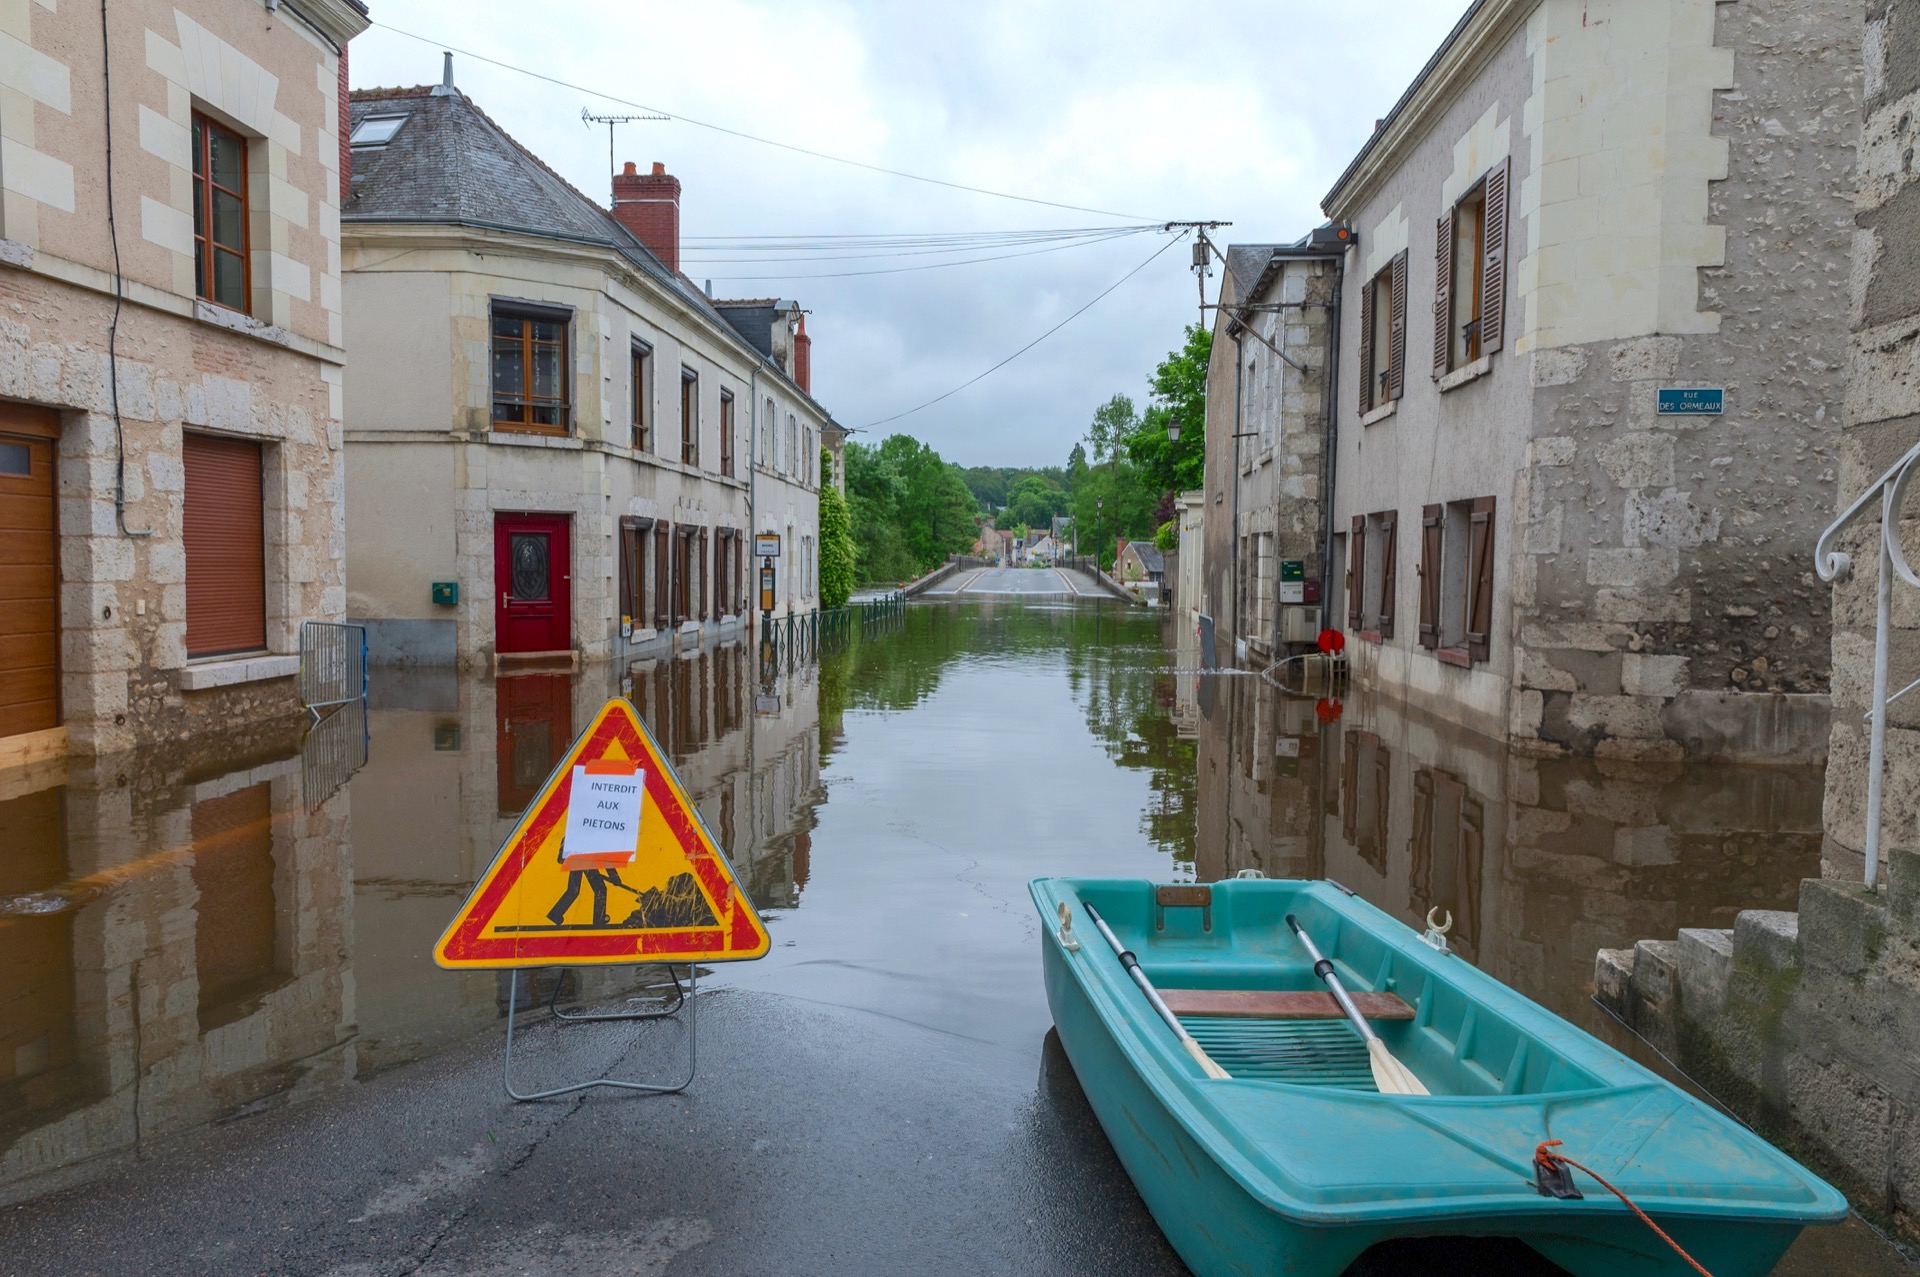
(603, 814)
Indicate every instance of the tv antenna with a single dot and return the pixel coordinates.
(589, 119)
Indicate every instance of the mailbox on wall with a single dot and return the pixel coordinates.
(446, 593)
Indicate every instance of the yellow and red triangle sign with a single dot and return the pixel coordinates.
(674, 899)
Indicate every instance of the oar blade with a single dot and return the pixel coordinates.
(1389, 1075)
(1205, 1061)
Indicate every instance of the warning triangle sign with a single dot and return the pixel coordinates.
(610, 864)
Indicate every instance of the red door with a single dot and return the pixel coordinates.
(531, 576)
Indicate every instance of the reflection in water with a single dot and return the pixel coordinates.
(1540, 862)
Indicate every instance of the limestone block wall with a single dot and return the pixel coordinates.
(1882, 421)
(1803, 1024)
(1668, 604)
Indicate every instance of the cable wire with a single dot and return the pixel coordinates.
(900, 270)
(1035, 342)
(764, 141)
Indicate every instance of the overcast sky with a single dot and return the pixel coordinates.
(1244, 112)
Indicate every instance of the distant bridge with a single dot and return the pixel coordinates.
(1035, 584)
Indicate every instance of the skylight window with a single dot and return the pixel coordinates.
(376, 130)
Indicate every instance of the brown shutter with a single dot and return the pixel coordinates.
(226, 551)
(739, 574)
(703, 573)
(1366, 347)
(1389, 556)
(1397, 331)
(1420, 871)
(1493, 272)
(1430, 517)
(1480, 567)
(1443, 295)
(662, 574)
(1356, 571)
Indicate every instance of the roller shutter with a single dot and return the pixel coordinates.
(226, 551)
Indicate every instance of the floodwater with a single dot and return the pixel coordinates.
(198, 935)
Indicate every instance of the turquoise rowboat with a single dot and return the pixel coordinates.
(1296, 1165)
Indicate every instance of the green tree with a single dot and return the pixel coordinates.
(910, 508)
(1113, 421)
(1034, 500)
(1179, 385)
(839, 559)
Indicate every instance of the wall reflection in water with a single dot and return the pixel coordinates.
(187, 940)
(1541, 862)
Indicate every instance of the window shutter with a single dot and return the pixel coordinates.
(1430, 517)
(1420, 872)
(226, 551)
(1389, 540)
(703, 573)
(1398, 328)
(1480, 560)
(1443, 295)
(662, 573)
(1366, 347)
(1356, 571)
(1493, 276)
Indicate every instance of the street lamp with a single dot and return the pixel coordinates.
(1099, 523)
(1173, 430)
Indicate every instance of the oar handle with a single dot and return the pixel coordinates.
(1323, 968)
(1132, 966)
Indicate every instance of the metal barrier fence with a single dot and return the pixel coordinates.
(334, 750)
(333, 664)
(794, 640)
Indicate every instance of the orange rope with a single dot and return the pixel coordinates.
(1541, 1157)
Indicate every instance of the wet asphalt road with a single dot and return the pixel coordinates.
(814, 1140)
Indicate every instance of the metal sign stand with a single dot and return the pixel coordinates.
(683, 996)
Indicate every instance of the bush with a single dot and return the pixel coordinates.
(1166, 538)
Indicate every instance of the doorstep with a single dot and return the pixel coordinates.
(202, 675)
(564, 659)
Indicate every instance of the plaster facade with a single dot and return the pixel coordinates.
(77, 274)
(1679, 177)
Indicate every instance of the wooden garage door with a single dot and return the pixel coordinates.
(29, 579)
(226, 556)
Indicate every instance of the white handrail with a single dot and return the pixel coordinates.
(1835, 565)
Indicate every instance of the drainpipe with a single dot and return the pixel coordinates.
(1331, 440)
(1233, 540)
(753, 490)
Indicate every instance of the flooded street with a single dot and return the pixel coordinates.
(201, 937)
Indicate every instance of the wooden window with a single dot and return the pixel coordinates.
(1356, 572)
(221, 271)
(530, 370)
(662, 575)
(703, 576)
(634, 537)
(1380, 533)
(1383, 335)
(1456, 580)
(739, 574)
(683, 597)
(689, 417)
(225, 545)
(793, 444)
(642, 393)
(1470, 246)
(726, 433)
(769, 432)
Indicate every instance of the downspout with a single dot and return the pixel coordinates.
(753, 490)
(1331, 391)
(1233, 474)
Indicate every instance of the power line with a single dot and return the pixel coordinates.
(1035, 342)
(764, 141)
(848, 251)
(901, 270)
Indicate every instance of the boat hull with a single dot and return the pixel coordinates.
(1219, 1228)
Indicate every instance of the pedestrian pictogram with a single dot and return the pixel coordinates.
(610, 863)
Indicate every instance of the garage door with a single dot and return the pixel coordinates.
(29, 579)
(226, 556)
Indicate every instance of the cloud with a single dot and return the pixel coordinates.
(1242, 111)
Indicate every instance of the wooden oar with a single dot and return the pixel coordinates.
(1391, 1076)
(1132, 964)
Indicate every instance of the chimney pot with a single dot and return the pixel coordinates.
(630, 169)
(659, 169)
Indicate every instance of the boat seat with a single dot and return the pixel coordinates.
(1281, 1004)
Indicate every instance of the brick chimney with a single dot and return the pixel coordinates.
(803, 358)
(648, 204)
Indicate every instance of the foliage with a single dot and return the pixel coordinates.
(1179, 387)
(1033, 502)
(839, 559)
(1166, 538)
(910, 508)
(1113, 421)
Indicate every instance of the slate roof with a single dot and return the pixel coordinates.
(1150, 557)
(451, 165)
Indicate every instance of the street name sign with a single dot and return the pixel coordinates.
(1697, 401)
(610, 864)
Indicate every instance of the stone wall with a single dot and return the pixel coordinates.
(1804, 1025)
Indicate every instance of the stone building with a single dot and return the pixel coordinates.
(558, 445)
(1574, 217)
(1266, 429)
(170, 361)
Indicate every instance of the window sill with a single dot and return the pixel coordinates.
(1454, 656)
(513, 432)
(229, 671)
(1472, 372)
(1381, 413)
(1370, 636)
